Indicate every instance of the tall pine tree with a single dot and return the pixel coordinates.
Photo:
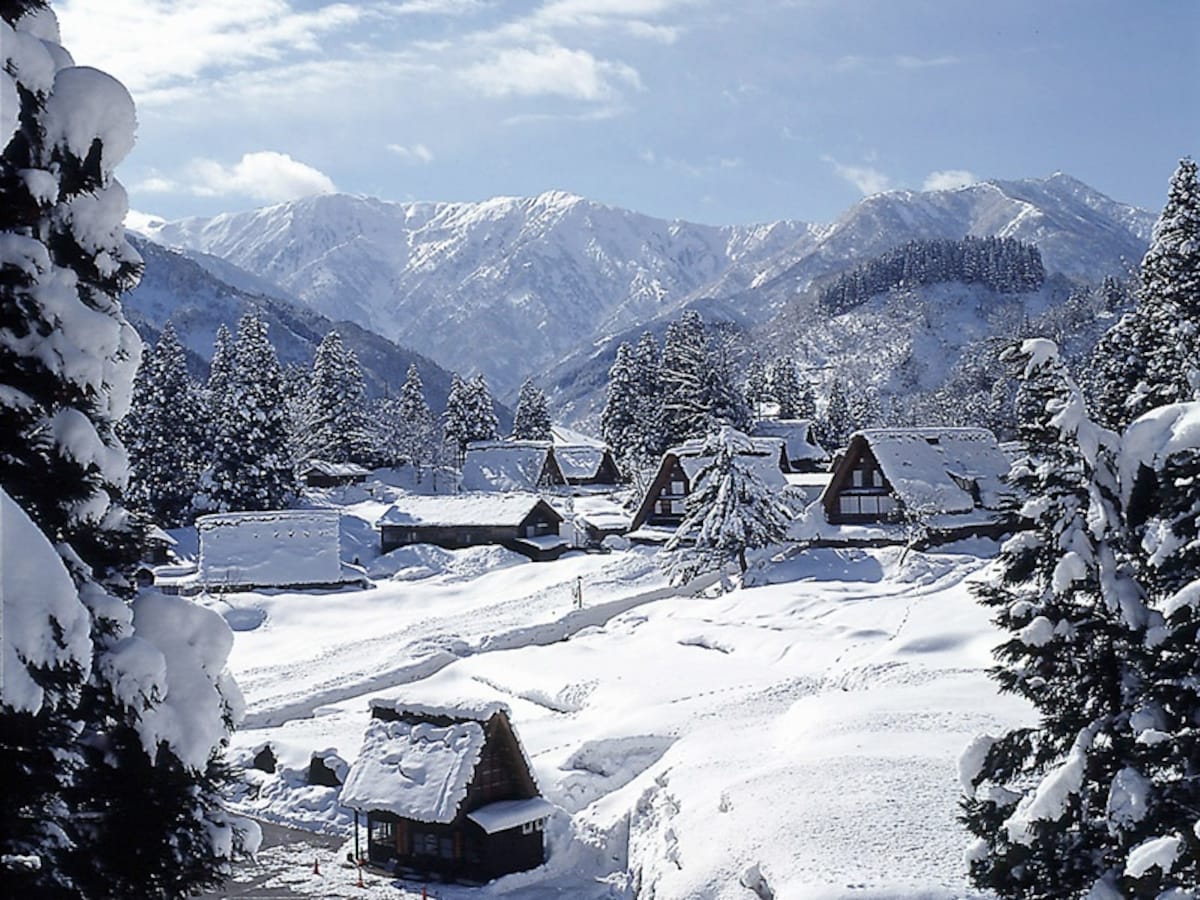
(531, 421)
(685, 407)
(336, 421)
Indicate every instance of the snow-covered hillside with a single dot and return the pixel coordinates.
(794, 739)
(523, 282)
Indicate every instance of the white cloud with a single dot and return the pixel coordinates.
(948, 180)
(866, 179)
(155, 184)
(265, 175)
(550, 70)
(417, 154)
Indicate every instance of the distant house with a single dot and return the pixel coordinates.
(664, 502)
(511, 466)
(583, 459)
(949, 479)
(447, 791)
(522, 522)
(273, 548)
(317, 473)
(803, 452)
(158, 546)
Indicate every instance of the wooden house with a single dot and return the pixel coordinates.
(522, 522)
(584, 460)
(803, 452)
(447, 791)
(511, 466)
(316, 473)
(949, 479)
(663, 504)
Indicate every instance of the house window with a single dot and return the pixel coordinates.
(856, 478)
(527, 828)
(678, 507)
(425, 844)
(446, 847)
(382, 832)
(676, 487)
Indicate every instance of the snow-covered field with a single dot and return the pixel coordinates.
(798, 738)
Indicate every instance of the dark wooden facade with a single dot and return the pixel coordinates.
(542, 520)
(859, 492)
(461, 850)
(317, 476)
(666, 498)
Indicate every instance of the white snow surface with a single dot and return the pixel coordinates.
(477, 508)
(86, 104)
(506, 814)
(505, 465)
(275, 548)
(1152, 438)
(1160, 852)
(35, 591)
(808, 728)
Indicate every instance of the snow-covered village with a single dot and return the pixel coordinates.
(514, 543)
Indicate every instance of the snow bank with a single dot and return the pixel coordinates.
(44, 624)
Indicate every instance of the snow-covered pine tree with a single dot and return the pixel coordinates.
(163, 435)
(1152, 356)
(725, 401)
(220, 373)
(336, 427)
(85, 709)
(531, 422)
(685, 409)
(785, 387)
(619, 421)
(1040, 800)
(756, 385)
(650, 438)
(456, 423)
(1160, 481)
(482, 422)
(418, 427)
(729, 511)
(251, 465)
(836, 426)
(296, 380)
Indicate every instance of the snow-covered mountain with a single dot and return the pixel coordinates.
(512, 286)
(199, 294)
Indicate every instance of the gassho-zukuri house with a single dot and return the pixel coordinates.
(511, 466)
(663, 505)
(447, 790)
(948, 482)
(524, 523)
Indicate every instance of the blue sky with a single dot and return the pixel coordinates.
(708, 111)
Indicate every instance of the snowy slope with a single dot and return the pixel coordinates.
(800, 735)
(523, 282)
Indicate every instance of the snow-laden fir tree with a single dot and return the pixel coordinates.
(336, 427)
(721, 395)
(531, 422)
(1050, 805)
(619, 426)
(785, 387)
(251, 465)
(420, 439)
(163, 434)
(685, 408)
(730, 510)
(1160, 482)
(483, 424)
(112, 713)
(1152, 356)
(296, 380)
(220, 373)
(650, 438)
(837, 424)
(456, 425)
(756, 385)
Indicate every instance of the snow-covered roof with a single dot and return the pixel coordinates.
(796, 435)
(281, 516)
(414, 770)
(933, 469)
(505, 465)
(460, 510)
(154, 533)
(763, 461)
(334, 470)
(579, 460)
(506, 814)
(458, 709)
(272, 548)
(569, 437)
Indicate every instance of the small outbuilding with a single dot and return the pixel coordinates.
(950, 480)
(524, 523)
(803, 452)
(447, 791)
(504, 466)
(665, 500)
(272, 548)
(316, 473)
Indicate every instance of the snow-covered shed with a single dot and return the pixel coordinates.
(803, 452)
(522, 522)
(273, 548)
(952, 479)
(321, 474)
(584, 460)
(665, 499)
(511, 466)
(447, 790)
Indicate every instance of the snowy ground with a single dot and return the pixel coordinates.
(797, 738)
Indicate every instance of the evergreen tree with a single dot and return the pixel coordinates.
(456, 425)
(838, 424)
(87, 767)
(756, 385)
(786, 389)
(619, 424)
(724, 401)
(1152, 356)
(409, 425)
(483, 424)
(685, 408)
(251, 465)
(532, 419)
(336, 422)
(649, 436)
(806, 404)
(296, 380)
(220, 373)
(163, 435)
(729, 511)
(1041, 800)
